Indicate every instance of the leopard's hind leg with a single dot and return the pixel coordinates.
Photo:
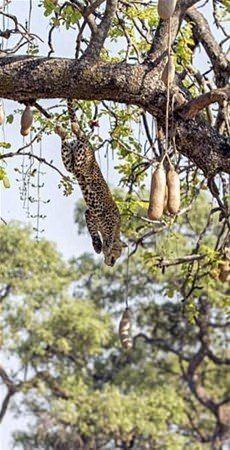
(93, 230)
(66, 149)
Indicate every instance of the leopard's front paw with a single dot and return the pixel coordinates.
(97, 244)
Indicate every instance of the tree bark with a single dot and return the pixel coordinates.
(25, 78)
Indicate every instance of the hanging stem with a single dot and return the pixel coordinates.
(127, 282)
(168, 99)
(38, 193)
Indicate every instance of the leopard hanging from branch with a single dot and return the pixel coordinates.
(102, 214)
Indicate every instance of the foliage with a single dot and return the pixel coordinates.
(77, 378)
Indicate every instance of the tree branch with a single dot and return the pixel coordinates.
(160, 39)
(203, 34)
(194, 106)
(98, 38)
(162, 343)
(5, 404)
(183, 260)
(38, 158)
(11, 390)
(28, 77)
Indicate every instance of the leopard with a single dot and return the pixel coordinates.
(102, 214)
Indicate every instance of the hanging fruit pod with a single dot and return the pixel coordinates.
(168, 74)
(26, 121)
(224, 271)
(224, 266)
(166, 200)
(166, 8)
(173, 184)
(25, 132)
(157, 193)
(6, 182)
(125, 330)
(2, 115)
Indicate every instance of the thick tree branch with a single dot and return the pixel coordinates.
(200, 143)
(29, 78)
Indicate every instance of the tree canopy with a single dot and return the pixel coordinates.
(114, 78)
(83, 390)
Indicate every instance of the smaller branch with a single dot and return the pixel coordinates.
(203, 34)
(215, 192)
(148, 134)
(5, 404)
(160, 39)
(42, 110)
(4, 292)
(5, 378)
(161, 343)
(92, 7)
(185, 4)
(216, 359)
(177, 261)
(79, 38)
(154, 231)
(24, 32)
(42, 160)
(3, 220)
(197, 390)
(99, 36)
(195, 427)
(194, 106)
(50, 43)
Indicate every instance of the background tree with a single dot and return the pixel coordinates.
(120, 53)
(83, 390)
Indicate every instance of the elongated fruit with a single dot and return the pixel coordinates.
(157, 193)
(25, 132)
(166, 200)
(2, 115)
(173, 184)
(125, 330)
(166, 8)
(224, 274)
(168, 74)
(6, 182)
(26, 121)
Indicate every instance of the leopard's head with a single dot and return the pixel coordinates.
(113, 254)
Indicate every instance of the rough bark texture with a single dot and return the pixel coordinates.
(25, 78)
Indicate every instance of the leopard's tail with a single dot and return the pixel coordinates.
(61, 132)
(73, 119)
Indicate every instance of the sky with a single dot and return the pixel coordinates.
(59, 223)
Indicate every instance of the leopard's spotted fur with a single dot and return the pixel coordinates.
(102, 214)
